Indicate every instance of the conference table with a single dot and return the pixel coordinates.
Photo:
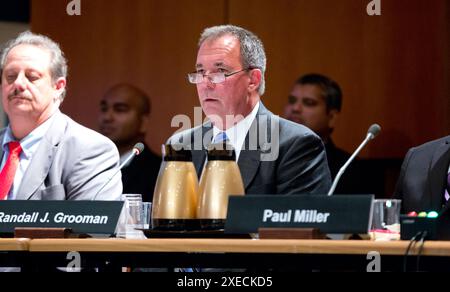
(250, 254)
(13, 251)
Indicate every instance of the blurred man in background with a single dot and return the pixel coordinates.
(316, 101)
(124, 115)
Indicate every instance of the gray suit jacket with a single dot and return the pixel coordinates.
(72, 162)
(286, 158)
(423, 178)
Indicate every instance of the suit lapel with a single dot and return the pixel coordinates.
(248, 164)
(199, 155)
(2, 134)
(250, 158)
(198, 158)
(42, 160)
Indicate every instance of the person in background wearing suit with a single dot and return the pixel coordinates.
(424, 181)
(124, 114)
(316, 101)
(45, 155)
(275, 156)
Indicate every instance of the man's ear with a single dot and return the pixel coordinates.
(255, 79)
(332, 118)
(60, 85)
(144, 124)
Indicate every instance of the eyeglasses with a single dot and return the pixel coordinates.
(215, 77)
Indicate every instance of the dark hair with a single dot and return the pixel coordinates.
(330, 89)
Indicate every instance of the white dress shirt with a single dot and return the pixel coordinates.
(238, 132)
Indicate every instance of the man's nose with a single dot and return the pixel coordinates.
(106, 115)
(20, 83)
(297, 107)
(207, 82)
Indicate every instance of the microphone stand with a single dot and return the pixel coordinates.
(369, 137)
(137, 149)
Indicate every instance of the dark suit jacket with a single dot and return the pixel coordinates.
(289, 159)
(423, 177)
(349, 182)
(140, 176)
(336, 157)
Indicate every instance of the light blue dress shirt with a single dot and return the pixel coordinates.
(29, 146)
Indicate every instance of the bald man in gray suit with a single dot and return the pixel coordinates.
(44, 154)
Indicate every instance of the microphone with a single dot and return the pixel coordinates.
(137, 149)
(373, 131)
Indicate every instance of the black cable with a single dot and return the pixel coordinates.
(422, 241)
(413, 240)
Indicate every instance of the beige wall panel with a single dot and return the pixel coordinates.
(149, 43)
(390, 67)
(393, 68)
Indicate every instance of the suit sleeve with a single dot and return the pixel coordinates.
(303, 169)
(94, 166)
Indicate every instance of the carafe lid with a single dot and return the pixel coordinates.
(176, 152)
(221, 151)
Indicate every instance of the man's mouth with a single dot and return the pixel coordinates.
(19, 97)
(107, 129)
(209, 99)
(295, 119)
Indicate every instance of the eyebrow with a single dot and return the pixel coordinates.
(217, 64)
(118, 104)
(311, 98)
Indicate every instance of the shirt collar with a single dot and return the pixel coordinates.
(238, 132)
(30, 140)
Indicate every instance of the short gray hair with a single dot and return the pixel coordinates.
(252, 49)
(58, 63)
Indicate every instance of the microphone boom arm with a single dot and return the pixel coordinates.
(137, 149)
(369, 137)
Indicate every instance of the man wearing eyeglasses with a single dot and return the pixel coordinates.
(275, 156)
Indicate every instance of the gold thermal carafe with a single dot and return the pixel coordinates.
(176, 193)
(220, 178)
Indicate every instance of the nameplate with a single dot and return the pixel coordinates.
(330, 214)
(82, 217)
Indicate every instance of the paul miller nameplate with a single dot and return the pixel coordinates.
(335, 214)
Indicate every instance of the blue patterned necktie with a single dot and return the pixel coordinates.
(221, 137)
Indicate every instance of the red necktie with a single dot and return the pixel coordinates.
(9, 170)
